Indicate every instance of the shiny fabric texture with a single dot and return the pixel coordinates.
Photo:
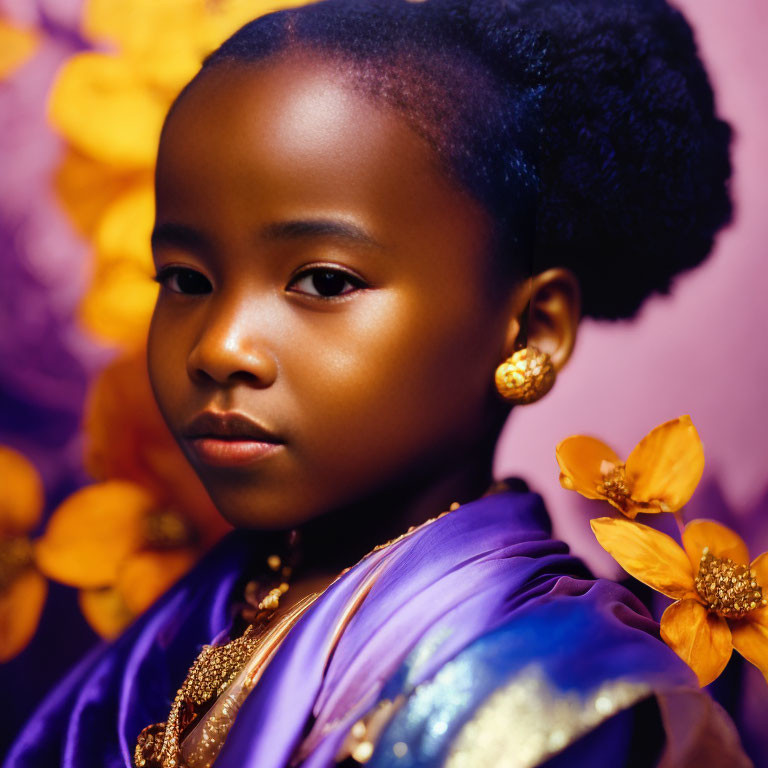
(485, 579)
(562, 649)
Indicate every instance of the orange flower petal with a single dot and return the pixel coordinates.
(88, 188)
(89, 536)
(760, 615)
(666, 465)
(647, 554)
(118, 304)
(105, 611)
(125, 229)
(722, 542)
(760, 567)
(120, 401)
(17, 46)
(631, 510)
(21, 498)
(188, 31)
(146, 575)
(136, 28)
(750, 639)
(700, 638)
(104, 107)
(20, 607)
(580, 459)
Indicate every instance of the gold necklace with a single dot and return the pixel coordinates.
(216, 667)
(159, 745)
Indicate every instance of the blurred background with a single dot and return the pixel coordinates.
(99, 513)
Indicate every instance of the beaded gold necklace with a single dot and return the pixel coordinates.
(159, 745)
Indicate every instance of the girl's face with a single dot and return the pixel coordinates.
(327, 326)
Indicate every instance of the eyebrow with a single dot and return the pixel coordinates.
(180, 236)
(307, 228)
(188, 238)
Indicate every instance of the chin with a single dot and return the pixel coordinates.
(262, 511)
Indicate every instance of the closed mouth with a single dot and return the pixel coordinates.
(229, 439)
(230, 426)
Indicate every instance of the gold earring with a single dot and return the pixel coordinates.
(526, 376)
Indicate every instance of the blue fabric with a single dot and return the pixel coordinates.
(575, 642)
(611, 741)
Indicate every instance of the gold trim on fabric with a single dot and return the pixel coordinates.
(529, 720)
(201, 747)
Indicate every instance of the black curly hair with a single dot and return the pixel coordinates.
(586, 127)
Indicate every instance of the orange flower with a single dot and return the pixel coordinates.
(17, 45)
(718, 592)
(121, 549)
(22, 588)
(129, 537)
(127, 439)
(660, 474)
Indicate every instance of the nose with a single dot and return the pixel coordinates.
(229, 350)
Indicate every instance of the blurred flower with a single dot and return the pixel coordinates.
(122, 550)
(127, 439)
(718, 593)
(109, 105)
(126, 539)
(46, 361)
(17, 46)
(660, 474)
(22, 588)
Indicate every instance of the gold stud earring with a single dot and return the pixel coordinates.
(526, 376)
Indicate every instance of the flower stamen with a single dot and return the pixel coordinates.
(15, 556)
(614, 485)
(164, 529)
(729, 589)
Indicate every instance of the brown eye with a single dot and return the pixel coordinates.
(325, 283)
(184, 280)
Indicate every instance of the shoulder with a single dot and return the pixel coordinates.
(578, 673)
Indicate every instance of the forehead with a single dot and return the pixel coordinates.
(295, 132)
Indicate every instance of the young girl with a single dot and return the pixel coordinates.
(377, 222)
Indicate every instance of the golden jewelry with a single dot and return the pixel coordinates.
(526, 376)
(159, 745)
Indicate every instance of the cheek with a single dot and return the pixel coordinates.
(400, 377)
(166, 360)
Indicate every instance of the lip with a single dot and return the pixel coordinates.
(228, 439)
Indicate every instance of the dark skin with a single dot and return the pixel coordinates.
(322, 275)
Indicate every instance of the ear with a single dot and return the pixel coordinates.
(551, 319)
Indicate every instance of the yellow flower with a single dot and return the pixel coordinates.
(719, 603)
(660, 474)
(17, 46)
(109, 105)
(122, 550)
(22, 588)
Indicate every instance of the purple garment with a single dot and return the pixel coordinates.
(455, 580)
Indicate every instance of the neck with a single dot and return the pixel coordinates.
(340, 538)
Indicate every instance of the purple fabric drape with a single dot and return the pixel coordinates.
(454, 580)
